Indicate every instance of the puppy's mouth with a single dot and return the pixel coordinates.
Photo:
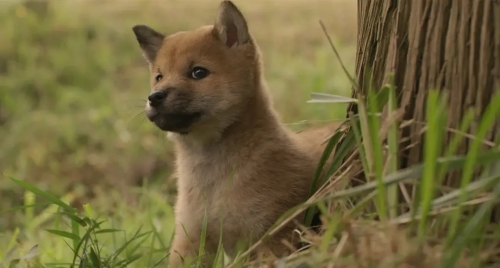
(178, 122)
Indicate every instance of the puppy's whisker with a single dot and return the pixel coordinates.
(141, 100)
(135, 116)
(132, 112)
(138, 107)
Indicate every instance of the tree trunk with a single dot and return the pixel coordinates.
(448, 45)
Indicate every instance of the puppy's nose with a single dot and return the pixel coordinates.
(156, 98)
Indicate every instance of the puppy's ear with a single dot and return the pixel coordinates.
(149, 40)
(230, 26)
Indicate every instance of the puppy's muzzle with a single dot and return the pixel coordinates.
(166, 118)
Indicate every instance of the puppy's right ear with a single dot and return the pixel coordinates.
(230, 26)
(149, 40)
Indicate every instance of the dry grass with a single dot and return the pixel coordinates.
(371, 244)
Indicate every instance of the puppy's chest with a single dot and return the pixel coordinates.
(208, 171)
(213, 176)
(216, 184)
(230, 190)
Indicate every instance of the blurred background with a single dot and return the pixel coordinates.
(73, 84)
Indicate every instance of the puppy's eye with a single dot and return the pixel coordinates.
(199, 73)
(158, 78)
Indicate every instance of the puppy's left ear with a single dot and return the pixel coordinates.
(149, 40)
(230, 26)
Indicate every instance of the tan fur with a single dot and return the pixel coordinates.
(236, 163)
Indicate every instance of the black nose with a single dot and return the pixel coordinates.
(156, 98)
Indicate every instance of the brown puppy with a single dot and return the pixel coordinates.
(236, 163)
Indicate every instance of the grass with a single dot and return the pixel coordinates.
(86, 179)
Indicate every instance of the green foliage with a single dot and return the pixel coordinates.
(68, 101)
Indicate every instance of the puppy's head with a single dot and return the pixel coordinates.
(202, 78)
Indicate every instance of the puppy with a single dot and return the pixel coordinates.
(238, 166)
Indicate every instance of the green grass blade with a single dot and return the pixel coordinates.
(377, 151)
(71, 236)
(44, 194)
(356, 134)
(329, 98)
(366, 151)
(75, 228)
(105, 231)
(329, 236)
(393, 148)
(219, 257)
(432, 145)
(382, 97)
(201, 251)
(317, 182)
(94, 258)
(327, 152)
(29, 200)
(345, 147)
(75, 218)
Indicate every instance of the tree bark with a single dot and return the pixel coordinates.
(448, 45)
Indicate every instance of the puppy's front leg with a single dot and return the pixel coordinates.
(186, 244)
(182, 249)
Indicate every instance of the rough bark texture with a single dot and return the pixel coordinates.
(450, 45)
